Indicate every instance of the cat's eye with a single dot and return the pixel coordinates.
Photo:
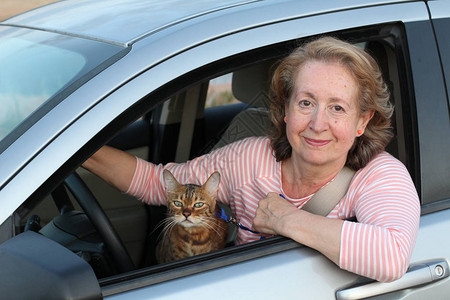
(178, 203)
(198, 204)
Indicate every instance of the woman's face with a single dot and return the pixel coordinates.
(322, 117)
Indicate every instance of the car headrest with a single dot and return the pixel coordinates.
(251, 84)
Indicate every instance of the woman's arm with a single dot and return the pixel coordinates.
(112, 165)
(379, 245)
(277, 216)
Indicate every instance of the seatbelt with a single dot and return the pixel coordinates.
(321, 203)
(325, 199)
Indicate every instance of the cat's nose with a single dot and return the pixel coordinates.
(186, 213)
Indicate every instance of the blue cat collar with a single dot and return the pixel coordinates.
(223, 215)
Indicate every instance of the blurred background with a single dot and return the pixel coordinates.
(9, 8)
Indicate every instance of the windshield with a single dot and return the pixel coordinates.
(36, 67)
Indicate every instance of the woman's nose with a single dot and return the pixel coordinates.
(319, 120)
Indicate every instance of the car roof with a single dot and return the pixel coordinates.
(125, 21)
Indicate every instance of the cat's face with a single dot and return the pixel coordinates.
(191, 205)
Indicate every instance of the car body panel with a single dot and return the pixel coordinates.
(302, 271)
(122, 22)
(116, 21)
(251, 279)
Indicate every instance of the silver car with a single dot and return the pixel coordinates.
(171, 80)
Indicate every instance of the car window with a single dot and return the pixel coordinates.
(28, 84)
(444, 45)
(219, 91)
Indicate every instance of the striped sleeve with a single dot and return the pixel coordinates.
(387, 207)
(238, 164)
(146, 184)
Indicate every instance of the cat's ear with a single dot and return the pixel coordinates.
(212, 184)
(170, 181)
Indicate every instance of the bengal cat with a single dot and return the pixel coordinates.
(191, 227)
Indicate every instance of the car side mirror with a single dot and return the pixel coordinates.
(35, 267)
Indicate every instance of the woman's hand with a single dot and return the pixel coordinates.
(272, 213)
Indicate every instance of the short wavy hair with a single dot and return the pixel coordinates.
(373, 96)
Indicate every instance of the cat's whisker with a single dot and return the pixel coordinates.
(164, 222)
(168, 223)
(214, 220)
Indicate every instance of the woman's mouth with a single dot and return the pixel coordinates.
(316, 143)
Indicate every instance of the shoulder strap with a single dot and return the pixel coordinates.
(323, 202)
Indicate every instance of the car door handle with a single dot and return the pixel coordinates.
(417, 274)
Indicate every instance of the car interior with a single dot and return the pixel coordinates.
(213, 112)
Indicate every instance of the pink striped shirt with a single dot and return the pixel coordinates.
(381, 195)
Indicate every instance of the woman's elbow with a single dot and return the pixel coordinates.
(394, 271)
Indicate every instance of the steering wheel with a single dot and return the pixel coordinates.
(101, 222)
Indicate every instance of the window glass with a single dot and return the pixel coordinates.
(36, 67)
(441, 27)
(30, 74)
(220, 92)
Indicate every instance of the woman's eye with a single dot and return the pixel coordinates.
(305, 103)
(338, 108)
(178, 203)
(198, 204)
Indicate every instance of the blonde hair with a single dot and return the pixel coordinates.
(373, 96)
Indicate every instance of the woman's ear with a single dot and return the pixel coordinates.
(286, 111)
(364, 119)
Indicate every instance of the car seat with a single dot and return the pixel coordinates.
(250, 85)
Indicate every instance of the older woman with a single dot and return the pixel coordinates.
(330, 109)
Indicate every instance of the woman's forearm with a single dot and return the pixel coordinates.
(112, 165)
(317, 232)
